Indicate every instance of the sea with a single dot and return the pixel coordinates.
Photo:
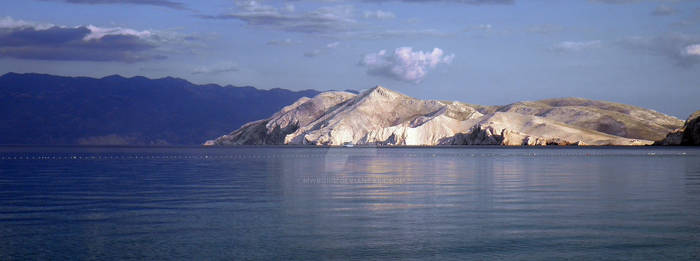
(309, 203)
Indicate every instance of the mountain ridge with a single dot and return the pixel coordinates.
(380, 116)
(45, 109)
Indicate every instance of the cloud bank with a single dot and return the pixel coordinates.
(286, 41)
(404, 64)
(322, 20)
(379, 14)
(663, 10)
(216, 69)
(571, 46)
(163, 3)
(615, 1)
(682, 49)
(470, 2)
(692, 50)
(319, 51)
(26, 40)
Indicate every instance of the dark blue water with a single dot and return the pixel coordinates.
(317, 203)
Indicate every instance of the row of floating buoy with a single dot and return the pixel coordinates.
(102, 157)
(315, 155)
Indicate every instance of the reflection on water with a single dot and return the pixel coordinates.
(331, 203)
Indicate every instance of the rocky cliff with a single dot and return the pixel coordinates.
(380, 116)
(689, 134)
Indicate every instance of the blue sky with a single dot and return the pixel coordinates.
(639, 52)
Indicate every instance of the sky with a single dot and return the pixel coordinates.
(491, 52)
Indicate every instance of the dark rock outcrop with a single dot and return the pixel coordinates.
(688, 135)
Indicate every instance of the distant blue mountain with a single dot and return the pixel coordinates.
(47, 109)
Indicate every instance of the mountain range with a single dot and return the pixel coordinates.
(114, 110)
(380, 116)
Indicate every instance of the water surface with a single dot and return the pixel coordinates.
(111, 203)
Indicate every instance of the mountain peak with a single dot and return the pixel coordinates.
(379, 88)
(10, 74)
(113, 76)
(379, 91)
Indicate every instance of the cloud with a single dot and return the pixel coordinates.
(216, 69)
(388, 34)
(692, 50)
(545, 29)
(404, 64)
(10, 23)
(332, 45)
(682, 49)
(289, 7)
(379, 14)
(286, 41)
(163, 3)
(312, 53)
(32, 41)
(97, 33)
(615, 1)
(692, 20)
(663, 10)
(569, 46)
(322, 20)
(470, 2)
(317, 52)
(481, 27)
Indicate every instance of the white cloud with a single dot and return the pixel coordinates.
(469, 2)
(164, 3)
(404, 64)
(682, 49)
(692, 50)
(570, 46)
(481, 27)
(10, 23)
(545, 29)
(41, 41)
(99, 32)
(252, 6)
(379, 14)
(615, 1)
(322, 20)
(286, 41)
(312, 53)
(389, 34)
(95, 32)
(332, 45)
(317, 52)
(289, 8)
(216, 69)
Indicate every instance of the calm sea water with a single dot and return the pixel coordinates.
(78, 203)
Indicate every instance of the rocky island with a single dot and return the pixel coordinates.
(380, 116)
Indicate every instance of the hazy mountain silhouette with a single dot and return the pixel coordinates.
(47, 109)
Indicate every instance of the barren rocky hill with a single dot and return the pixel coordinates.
(380, 116)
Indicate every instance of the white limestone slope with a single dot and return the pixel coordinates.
(380, 116)
(507, 128)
